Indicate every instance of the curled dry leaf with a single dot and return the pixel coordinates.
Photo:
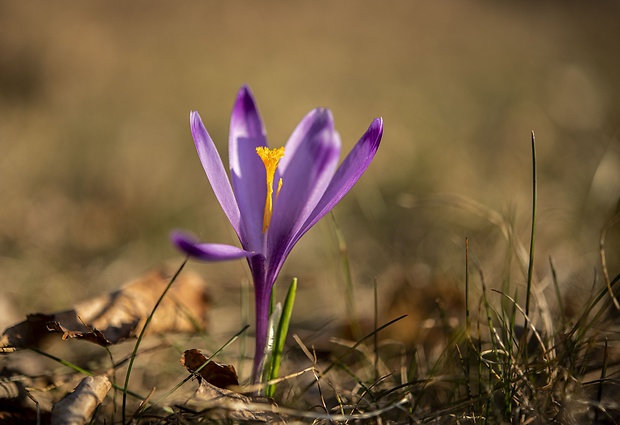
(222, 403)
(77, 408)
(214, 396)
(220, 375)
(117, 316)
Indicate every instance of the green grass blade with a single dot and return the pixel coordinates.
(285, 319)
(81, 370)
(558, 294)
(139, 340)
(530, 268)
(348, 281)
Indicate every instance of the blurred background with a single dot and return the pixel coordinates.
(97, 162)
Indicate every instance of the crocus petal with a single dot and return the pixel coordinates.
(311, 159)
(246, 168)
(207, 251)
(300, 134)
(212, 164)
(347, 174)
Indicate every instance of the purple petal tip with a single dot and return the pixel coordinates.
(376, 128)
(195, 120)
(206, 251)
(245, 95)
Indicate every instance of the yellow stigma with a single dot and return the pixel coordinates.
(271, 158)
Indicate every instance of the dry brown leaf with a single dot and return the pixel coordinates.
(220, 375)
(94, 335)
(214, 396)
(117, 316)
(77, 408)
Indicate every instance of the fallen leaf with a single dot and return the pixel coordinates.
(117, 316)
(219, 402)
(29, 333)
(219, 375)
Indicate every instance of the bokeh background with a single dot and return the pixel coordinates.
(97, 162)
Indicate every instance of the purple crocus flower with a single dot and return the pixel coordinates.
(277, 195)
